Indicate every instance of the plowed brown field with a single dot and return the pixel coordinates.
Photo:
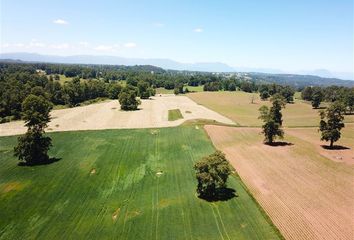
(306, 194)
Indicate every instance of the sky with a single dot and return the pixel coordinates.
(287, 35)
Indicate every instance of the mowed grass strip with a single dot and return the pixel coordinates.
(174, 114)
(121, 184)
(238, 107)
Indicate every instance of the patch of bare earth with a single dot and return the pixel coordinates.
(306, 195)
(152, 113)
(115, 214)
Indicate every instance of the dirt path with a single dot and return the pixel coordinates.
(306, 195)
(107, 115)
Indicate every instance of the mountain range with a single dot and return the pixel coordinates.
(163, 63)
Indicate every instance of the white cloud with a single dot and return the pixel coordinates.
(130, 45)
(35, 43)
(198, 30)
(60, 46)
(60, 21)
(84, 44)
(19, 45)
(103, 48)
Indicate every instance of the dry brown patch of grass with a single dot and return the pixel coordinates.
(238, 107)
(12, 186)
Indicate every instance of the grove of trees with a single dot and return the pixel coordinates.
(316, 95)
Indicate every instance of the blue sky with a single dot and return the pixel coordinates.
(287, 35)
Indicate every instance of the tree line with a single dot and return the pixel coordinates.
(17, 81)
(316, 95)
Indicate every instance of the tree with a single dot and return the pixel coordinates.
(278, 102)
(306, 94)
(317, 97)
(288, 93)
(143, 89)
(271, 127)
(114, 90)
(33, 146)
(332, 122)
(73, 92)
(212, 173)
(264, 95)
(232, 87)
(128, 100)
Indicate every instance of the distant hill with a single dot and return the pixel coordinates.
(300, 80)
(113, 60)
(267, 75)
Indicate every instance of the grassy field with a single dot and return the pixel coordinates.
(194, 89)
(238, 107)
(123, 184)
(164, 91)
(170, 91)
(174, 114)
(307, 191)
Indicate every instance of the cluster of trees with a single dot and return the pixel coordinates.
(268, 90)
(19, 80)
(317, 95)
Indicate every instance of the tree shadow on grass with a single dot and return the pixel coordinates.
(334, 147)
(279, 144)
(222, 194)
(131, 110)
(43, 162)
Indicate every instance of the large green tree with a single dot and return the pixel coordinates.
(271, 127)
(332, 122)
(317, 97)
(212, 173)
(128, 100)
(273, 119)
(33, 147)
(144, 90)
(278, 103)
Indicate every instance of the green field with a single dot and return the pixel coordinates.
(122, 184)
(174, 114)
(164, 91)
(194, 89)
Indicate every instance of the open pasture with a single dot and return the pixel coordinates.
(238, 107)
